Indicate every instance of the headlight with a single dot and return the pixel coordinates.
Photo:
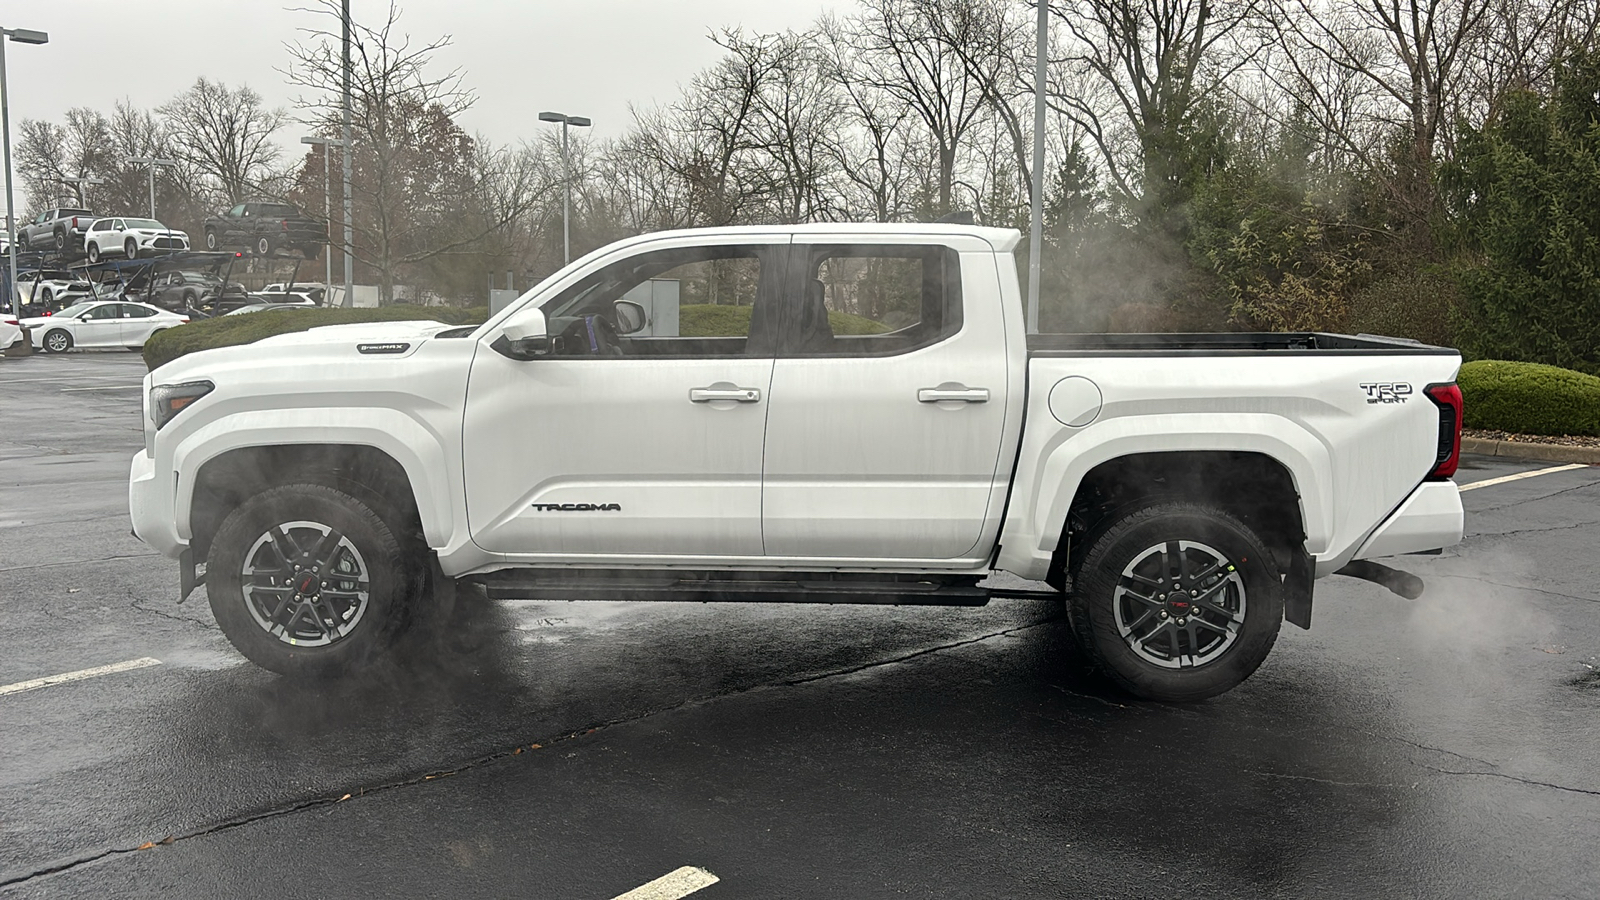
(167, 400)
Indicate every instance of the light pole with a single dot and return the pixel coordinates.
(566, 177)
(79, 182)
(327, 211)
(1041, 49)
(152, 162)
(21, 36)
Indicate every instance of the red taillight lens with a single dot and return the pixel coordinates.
(74, 221)
(1448, 398)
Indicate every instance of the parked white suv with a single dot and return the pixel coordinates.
(131, 238)
(826, 413)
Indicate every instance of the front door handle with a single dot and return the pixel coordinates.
(739, 394)
(957, 392)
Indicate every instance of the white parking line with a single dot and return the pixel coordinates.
(81, 674)
(109, 387)
(1489, 482)
(677, 883)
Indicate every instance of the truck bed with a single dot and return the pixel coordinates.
(1244, 343)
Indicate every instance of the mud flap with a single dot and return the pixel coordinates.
(1297, 588)
(188, 580)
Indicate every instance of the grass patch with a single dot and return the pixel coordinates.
(233, 331)
(714, 320)
(1529, 398)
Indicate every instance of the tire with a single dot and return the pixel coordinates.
(94, 252)
(1226, 639)
(188, 299)
(61, 242)
(49, 296)
(328, 631)
(264, 246)
(56, 340)
(130, 248)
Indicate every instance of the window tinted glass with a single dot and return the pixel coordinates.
(101, 225)
(237, 210)
(699, 301)
(142, 223)
(275, 209)
(872, 300)
(105, 311)
(132, 311)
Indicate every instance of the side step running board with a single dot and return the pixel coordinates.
(740, 588)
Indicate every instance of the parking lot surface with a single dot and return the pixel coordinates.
(1445, 747)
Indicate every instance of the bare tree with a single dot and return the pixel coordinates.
(49, 154)
(225, 135)
(1147, 65)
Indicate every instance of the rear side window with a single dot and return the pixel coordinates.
(871, 300)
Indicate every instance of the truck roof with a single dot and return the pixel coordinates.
(1002, 239)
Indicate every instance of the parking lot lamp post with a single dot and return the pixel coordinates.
(152, 162)
(327, 210)
(566, 177)
(21, 36)
(79, 182)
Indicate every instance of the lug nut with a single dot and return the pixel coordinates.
(1194, 593)
(1163, 614)
(1183, 621)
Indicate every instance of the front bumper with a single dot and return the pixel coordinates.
(150, 507)
(1430, 519)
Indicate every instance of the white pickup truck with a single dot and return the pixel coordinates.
(829, 413)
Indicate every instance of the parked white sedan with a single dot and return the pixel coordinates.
(10, 331)
(100, 324)
(131, 238)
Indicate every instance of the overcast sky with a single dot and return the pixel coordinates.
(583, 57)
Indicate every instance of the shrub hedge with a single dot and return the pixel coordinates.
(1529, 398)
(231, 331)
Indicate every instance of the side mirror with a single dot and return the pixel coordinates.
(631, 317)
(524, 336)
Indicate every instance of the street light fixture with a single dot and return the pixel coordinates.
(152, 162)
(327, 211)
(566, 177)
(21, 36)
(81, 180)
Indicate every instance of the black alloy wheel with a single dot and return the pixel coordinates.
(1177, 601)
(306, 580)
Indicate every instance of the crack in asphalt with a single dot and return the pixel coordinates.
(1516, 587)
(1535, 499)
(64, 865)
(137, 602)
(78, 562)
(1286, 775)
(1517, 778)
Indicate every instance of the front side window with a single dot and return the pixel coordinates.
(104, 311)
(237, 211)
(697, 301)
(871, 300)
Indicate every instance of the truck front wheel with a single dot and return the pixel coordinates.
(306, 580)
(1177, 601)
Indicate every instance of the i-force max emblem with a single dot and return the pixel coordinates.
(1385, 392)
(578, 507)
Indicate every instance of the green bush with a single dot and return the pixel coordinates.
(1529, 398)
(713, 320)
(232, 331)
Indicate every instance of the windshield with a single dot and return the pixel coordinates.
(274, 209)
(75, 309)
(143, 223)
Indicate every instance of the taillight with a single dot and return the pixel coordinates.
(284, 225)
(1448, 398)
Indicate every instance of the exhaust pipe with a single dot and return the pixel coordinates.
(1405, 584)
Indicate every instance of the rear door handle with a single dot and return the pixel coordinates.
(963, 394)
(739, 394)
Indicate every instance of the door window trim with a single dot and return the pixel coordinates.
(793, 309)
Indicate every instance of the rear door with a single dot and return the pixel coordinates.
(888, 409)
(137, 323)
(644, 446)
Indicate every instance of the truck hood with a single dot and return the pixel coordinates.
(362, 340)
(357, 333)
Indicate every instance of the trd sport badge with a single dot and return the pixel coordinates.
(1384, 392)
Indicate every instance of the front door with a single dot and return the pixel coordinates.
(888, 410)
(645, 445)
(100, 326)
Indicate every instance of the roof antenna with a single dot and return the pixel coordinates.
(959, 217)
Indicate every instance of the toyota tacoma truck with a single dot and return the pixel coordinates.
(827, 413)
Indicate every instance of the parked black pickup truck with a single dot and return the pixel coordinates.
(266, 229)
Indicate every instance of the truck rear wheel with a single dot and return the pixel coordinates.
(306, 580)
(1177, 601)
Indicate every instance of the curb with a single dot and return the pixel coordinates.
(1521, 450)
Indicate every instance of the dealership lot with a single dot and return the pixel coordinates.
(1445, 747)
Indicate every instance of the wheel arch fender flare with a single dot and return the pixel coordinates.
(415, 448)
(1046, 488)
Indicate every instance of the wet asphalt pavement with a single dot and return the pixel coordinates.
(1441, 748)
